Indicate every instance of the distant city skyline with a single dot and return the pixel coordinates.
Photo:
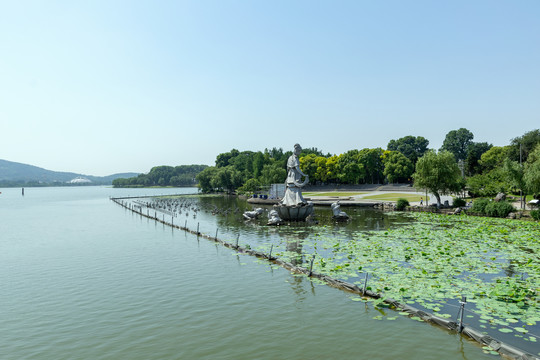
(106, 87)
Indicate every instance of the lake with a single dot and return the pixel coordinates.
(83, 278)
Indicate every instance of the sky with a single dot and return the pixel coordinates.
(103, 87)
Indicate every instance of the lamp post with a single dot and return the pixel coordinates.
(521, 200)
(461, 165)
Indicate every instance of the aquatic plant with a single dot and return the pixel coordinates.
(435, 260)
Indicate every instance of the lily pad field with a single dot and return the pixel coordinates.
(434, 260)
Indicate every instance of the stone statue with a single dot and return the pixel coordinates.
(293, 206)
(251, 215)
(273, 218)
(294, 184)
(338, 214)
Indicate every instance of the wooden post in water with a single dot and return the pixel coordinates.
(216, 233)
(365, 285)
(461, 310)
(270, 253)
(197, 228)
(311, 265)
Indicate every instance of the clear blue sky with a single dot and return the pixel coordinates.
(100, 87)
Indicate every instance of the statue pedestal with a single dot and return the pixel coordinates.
(294, 213)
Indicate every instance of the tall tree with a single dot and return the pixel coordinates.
(494, 157)
(474, 154)
(309, 166)
(489, 183)
(205, 179)
(532, 172)
(332, 170)
(515, 175)
(397, 167)
(258, 164)
(438, 173)
(222, 160)
(321, 174)
(413, 147)
(521, 146)
(273, 173)
(350, 170)
(371, 161)
(457, 142)
(227, 178)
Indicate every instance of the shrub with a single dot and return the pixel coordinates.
(459, 202)
(535, 214)
(252, 185)
(479, 206)
(499, 209)
(402, 204)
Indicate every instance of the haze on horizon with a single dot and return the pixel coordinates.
(105, 87)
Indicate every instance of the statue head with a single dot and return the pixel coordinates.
(297, 149)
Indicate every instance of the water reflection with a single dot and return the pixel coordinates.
(297, 285)
(294, 245)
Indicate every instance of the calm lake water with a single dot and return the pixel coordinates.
(83, 278)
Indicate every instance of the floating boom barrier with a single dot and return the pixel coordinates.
(502, 348)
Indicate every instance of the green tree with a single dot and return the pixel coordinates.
(275, 153)
(273, 173)
(474, 154)
(438, 173)
(223, 159)
(309, 166)
(350, 170)
(494, 157)
(515, 174)
(413, 147)
(205, 179)
(332, 169)
(457, 142)
(490, 183)
(397, 167)
(313, 150)
(321, 174)
(371, 161)
(527, 142)
(227, 178)
(252, 185)
(160, 175)
(258, 164)
(532, 172)
(182, 175)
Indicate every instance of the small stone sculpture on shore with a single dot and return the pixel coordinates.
(338, 214)
(252, 215)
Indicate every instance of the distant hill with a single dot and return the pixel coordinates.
(17, 174)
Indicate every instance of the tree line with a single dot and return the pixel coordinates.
(183, 175)
(460, 164)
